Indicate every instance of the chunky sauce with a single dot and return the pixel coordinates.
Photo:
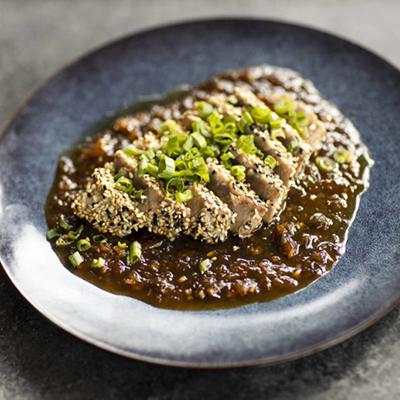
(278, 259)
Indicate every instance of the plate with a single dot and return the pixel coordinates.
(362, 287)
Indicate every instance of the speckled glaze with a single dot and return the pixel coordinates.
(363, 286)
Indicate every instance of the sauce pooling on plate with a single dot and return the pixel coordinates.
(241, 189)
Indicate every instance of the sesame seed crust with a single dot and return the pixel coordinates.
(106, 208)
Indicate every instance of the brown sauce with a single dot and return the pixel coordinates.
(278, 259)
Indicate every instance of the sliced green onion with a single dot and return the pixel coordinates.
(52, 233)
(217, 126)
(98, 262)
(119, 174)
(205, 265)
(184, 197)
(122, 245)
(224, 138)
(99, 238)
(64, 241)
(204, 109)
(261, 115)
(166, 168)
(199, 167)
(135, 253)
(210, 151)
(150, 154)
(124, 184)
(271, 161)
(132, 151)
(227, 156)
(284, 105)
(143, 164)
(174, 144)
(199, 126)
(246, 143)
(199, 139)
(245, 121)
(325, 164)
(170, 126)
(188, 144)
(277, 133)
(75, 234)
(342, 156)
(230, 127)
(239, 172)
(276, 123)
(301, 119)
(152, 170)
(175, 184)
(64, 223)
(76, 259)
(138, 195)
(83, 245)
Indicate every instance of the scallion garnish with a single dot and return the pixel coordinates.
(199, 167)
(325, 164)
(184, 197)
(342, 156)
(166, 168)
(138, 195)
(246, 143)
(230, 127)
(175, 184)
(76, 259)
(189, 143)
(199, 139)
(173, 147)
(64, 241)
(170, 126)
(204, 265)
(132, 151)
(239, 172)
(122, 245)
(245, 121)
(135, 253)
(64, 223)
(276, 123)
(83, 244)
(52, 233)
(75, 234)
(99, 238)
(261, 115)
(271, 161)
(216, 124)
(98, 262)
(199, 126)
(124, 184)
(224, 138)
(204, 109)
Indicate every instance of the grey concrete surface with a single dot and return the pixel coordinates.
(39, 360)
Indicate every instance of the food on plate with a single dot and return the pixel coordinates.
(239, 189)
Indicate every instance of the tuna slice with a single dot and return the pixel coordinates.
(211, 218)
(263, 181)
(244, 202)
(106, 208)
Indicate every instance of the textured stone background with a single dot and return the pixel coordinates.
(39, 360)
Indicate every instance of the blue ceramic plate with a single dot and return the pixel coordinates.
(363, 286)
